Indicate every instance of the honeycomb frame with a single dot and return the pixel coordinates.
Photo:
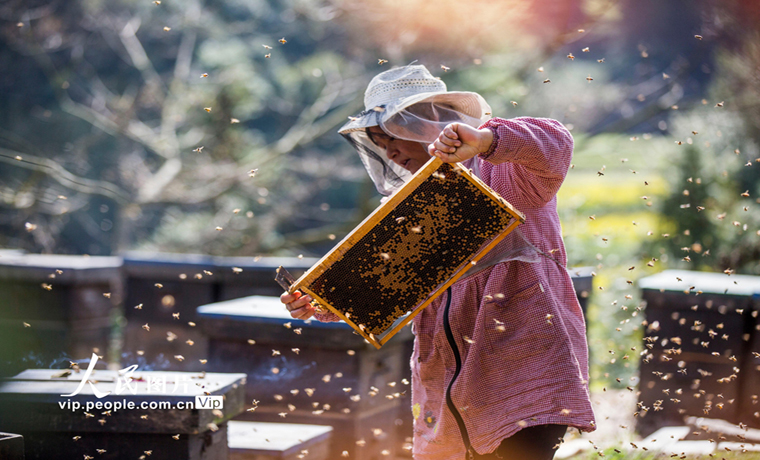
(498, 219)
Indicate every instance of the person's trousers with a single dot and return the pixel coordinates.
(533, 443)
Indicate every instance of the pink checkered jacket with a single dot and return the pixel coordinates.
(485, 365)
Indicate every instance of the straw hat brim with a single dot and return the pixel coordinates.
(466, 102)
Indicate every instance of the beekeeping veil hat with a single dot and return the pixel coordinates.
(407, 103)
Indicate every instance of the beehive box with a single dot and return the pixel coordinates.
(55, 306)
(32, 404)
(283, 357)
(278, 441)
(409, 250)
(165, 285)
(11, 446)
(698, 360)
(749, 412)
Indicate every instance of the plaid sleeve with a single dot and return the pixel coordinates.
(539, 149)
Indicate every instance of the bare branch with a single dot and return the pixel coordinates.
(158, 181)
(58, 173)
(187, 44)
(137, 53)
(233, 176)
(306, 130)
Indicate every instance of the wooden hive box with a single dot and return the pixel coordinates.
(70, 305)
(323, 349)
(278, 441)
(11, 446)
(186, 282)
(31, 404)
(697, 337)
(409, 250)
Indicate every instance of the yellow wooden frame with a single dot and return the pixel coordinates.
(376, 216)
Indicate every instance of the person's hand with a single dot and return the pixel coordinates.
(459, 142)
(298, 305)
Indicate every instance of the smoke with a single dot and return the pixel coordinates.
(160, 363)
(286, 371)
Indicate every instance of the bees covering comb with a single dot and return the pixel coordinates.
(408, 251)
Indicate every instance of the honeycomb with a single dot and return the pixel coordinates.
(411, 251)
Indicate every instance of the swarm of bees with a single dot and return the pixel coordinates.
(654, 348)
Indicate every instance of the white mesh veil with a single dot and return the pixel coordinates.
(385, 174)
(421, 122)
